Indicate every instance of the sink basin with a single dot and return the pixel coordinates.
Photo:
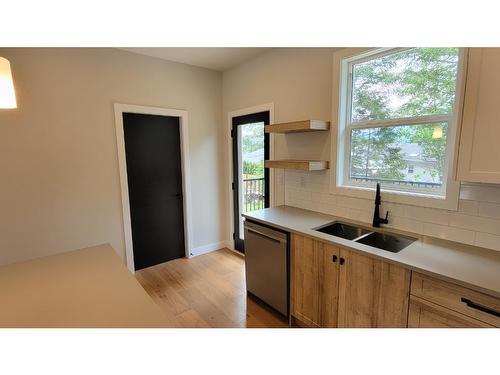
(386, 242)
(342, 230)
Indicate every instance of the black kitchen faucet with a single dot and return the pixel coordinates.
(377, 220)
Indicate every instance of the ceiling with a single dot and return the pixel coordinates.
(215, 58)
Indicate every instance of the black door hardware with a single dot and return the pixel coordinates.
(476, 306)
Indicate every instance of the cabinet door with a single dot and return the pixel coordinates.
(305, 280)
(478, 160)
(424, 314)
(329, 281)
(372, 293)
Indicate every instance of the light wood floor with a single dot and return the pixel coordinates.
(207, 291)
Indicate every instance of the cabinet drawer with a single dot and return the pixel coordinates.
(457, 298)
(424, 314)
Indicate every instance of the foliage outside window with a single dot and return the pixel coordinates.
(399, 106)
(253, 184)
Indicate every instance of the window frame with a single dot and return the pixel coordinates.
(447, 197)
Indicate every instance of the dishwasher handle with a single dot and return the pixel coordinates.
(265, 235)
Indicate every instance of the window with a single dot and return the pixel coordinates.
(397, 120)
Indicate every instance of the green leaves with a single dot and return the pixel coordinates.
(409, 83)
(375, 154)
(253, 168)
(252, 137)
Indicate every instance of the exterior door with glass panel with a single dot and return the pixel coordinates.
(250, 178)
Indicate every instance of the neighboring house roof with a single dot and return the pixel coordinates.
(412, 153)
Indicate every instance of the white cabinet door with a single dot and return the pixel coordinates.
(479, 150)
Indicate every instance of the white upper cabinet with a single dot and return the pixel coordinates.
(479, 150)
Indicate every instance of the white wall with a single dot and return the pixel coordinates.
(299, 82)
(59, 181)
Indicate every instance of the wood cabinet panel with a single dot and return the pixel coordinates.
(425, 314)
(315, 275)
(305, 280)
(372, 293)
(457, 298)
(480, 131)
(329, 282)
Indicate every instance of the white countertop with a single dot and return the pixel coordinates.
(470, 266)
(83, 288)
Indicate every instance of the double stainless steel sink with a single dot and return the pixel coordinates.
(383, 241)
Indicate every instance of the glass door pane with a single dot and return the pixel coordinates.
(251, 176)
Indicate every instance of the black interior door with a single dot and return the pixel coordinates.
(249, 187)
(153, 155)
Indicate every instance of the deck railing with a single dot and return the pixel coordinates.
(253, 194)
(398, 182)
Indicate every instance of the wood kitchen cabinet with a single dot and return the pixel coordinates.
(335, 287)
(480, 130)
(305, 280)
(372, 293)
(329, 285)
(315, 275)
(437, 303)
(425, 314)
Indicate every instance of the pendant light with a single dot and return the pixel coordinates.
(7, 93)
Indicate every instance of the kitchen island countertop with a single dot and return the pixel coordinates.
(83, 288)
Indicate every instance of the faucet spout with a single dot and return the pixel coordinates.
(377, 220)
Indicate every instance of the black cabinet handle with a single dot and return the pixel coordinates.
(342, 261)
(474, 305)
(334, 258)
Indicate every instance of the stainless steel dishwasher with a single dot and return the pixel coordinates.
(267, 264)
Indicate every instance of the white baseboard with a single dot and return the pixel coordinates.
(230, 244)
(211, 247)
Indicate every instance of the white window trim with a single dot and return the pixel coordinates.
(340, 142)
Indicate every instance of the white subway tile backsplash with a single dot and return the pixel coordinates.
(360, 204)
(360, 215)
(487, 209)
(487, 240)
(449, 233)
(477, 221)
(319, 178)
(393, 208)
(334, 210)
(340, 211)
(468, 207)
(406, 224)
(298, 194)
(481, 193)
(428, 215)
(323, 197)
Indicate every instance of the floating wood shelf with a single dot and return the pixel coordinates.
(298, 126)
(303, 165)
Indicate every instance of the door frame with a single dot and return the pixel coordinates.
(229, 147)
(119, 109)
